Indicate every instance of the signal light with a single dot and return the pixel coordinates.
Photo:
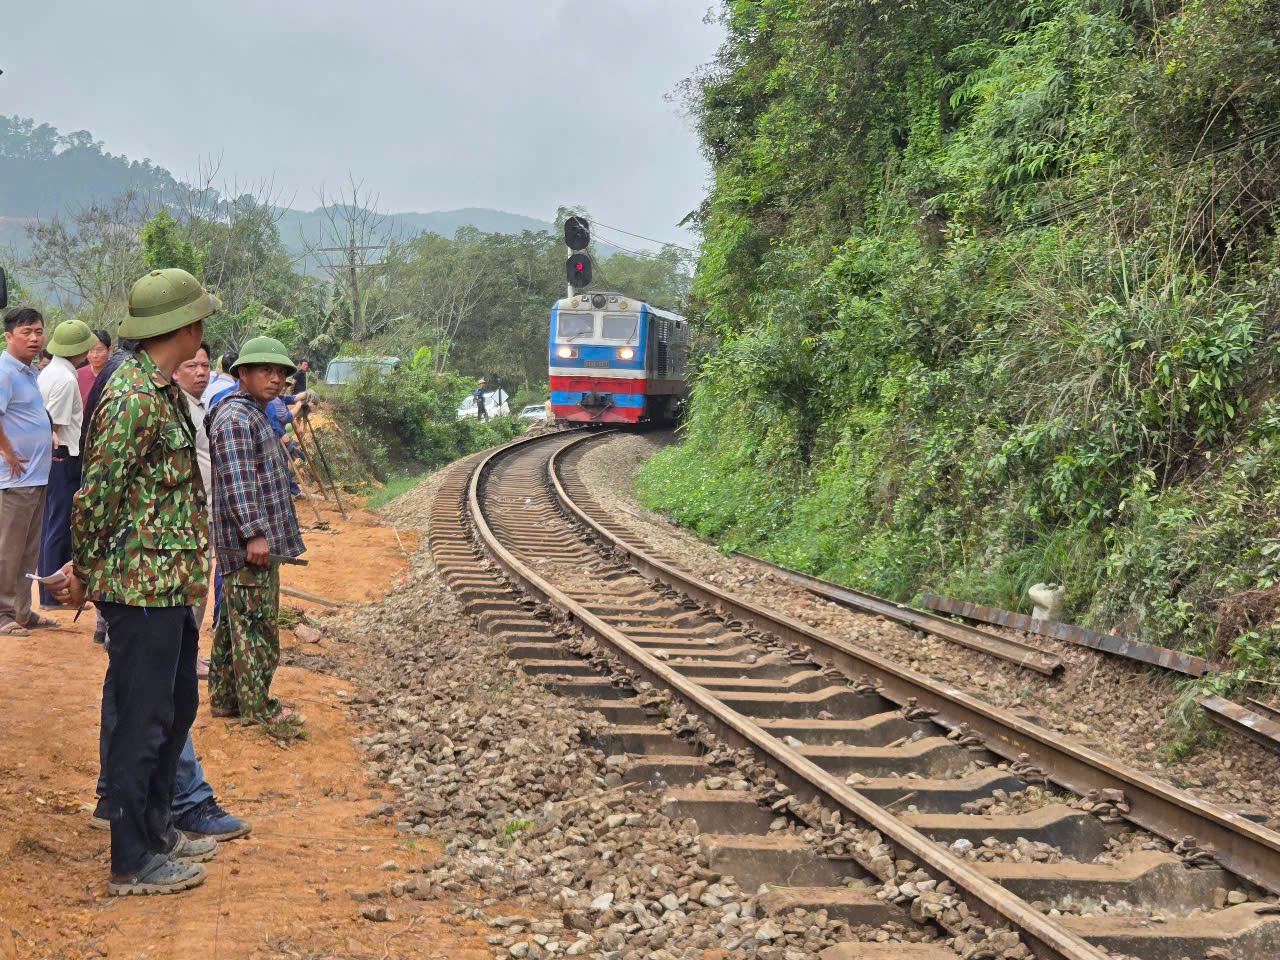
(577, 233)
(578, 270)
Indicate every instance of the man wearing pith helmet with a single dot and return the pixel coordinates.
(254, 527)
(60, 389)
(139, 548)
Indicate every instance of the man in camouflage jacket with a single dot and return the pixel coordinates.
(254, 525)
(140, 545)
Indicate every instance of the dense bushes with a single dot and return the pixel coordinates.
(409, 417)
(983, 316)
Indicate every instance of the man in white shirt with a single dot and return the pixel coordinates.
(193, 377)
(60, 390)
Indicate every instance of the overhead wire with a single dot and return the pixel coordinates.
(640, 236)
(648, 254)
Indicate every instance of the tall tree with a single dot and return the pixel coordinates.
(353, 240)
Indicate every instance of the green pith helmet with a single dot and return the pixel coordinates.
(164, 301)
(264, 350)
(71, 338)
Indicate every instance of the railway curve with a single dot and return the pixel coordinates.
(839, 737)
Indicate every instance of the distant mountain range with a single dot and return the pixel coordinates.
(44, 172)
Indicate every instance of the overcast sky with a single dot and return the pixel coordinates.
(521, 105)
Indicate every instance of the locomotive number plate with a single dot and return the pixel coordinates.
(595, 363)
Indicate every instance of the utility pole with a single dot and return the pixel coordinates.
(355, 263)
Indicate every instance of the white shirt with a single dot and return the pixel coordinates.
(60, 389)
(196, 409)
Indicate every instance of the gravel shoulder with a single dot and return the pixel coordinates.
(1121, 708)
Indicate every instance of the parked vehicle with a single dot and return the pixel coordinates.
(495, 404)
(534, 411)
(345, 369)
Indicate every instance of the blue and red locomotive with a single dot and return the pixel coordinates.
(613, 359)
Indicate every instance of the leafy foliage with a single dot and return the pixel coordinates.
(994, 291)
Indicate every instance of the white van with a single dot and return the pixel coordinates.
(495, 405)
(345, 369)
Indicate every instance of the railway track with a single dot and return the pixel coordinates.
(863, 788)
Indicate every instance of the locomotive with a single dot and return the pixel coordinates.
(614, 359)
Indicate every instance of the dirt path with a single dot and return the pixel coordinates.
(285, 891)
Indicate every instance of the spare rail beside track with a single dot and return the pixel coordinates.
(1022, 654)
(1069, 633)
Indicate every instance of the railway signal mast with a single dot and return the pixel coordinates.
(577, 236)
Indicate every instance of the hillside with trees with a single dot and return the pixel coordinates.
(995, 293)
(467, 300)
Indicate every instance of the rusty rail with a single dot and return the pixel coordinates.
(1014, 651)
(1069, 633)
(1236, 718)
(1251, 851)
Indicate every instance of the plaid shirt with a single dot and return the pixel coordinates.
(250, 483)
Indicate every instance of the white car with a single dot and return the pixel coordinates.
(495, 405)
(345, 369)
(534, 411)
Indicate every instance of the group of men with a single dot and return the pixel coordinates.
(135, 485)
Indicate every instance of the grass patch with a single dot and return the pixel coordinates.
(396, 484)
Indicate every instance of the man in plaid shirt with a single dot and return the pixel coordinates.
(253, 525)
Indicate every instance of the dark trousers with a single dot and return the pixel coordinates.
(153, 659)
(55, 536)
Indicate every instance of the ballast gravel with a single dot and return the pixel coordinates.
(1120, 707)
(541, 840)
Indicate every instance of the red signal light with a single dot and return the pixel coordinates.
(578, 270)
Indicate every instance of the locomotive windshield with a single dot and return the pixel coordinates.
(620, 326)
(573, 325)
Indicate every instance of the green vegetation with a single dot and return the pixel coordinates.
(993, 291)
(397, 482)
(452, 309)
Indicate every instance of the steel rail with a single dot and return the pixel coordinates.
(1238, 844)
(1014, 651)
(984, 896)
(1069, 633)
(1258, 728)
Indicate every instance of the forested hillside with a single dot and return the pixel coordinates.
(994, 289)
(456, 296)
(45, 173)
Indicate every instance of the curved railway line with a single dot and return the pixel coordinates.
(894, 773)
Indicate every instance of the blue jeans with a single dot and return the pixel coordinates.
(190, 788)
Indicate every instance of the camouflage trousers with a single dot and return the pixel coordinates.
(246, 645)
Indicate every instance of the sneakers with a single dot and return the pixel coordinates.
(161, 875)
(191, 849)
(210, 821)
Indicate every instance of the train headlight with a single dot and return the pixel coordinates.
(626, 353)
(566, 353)
(622, 305)
(598, 300)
